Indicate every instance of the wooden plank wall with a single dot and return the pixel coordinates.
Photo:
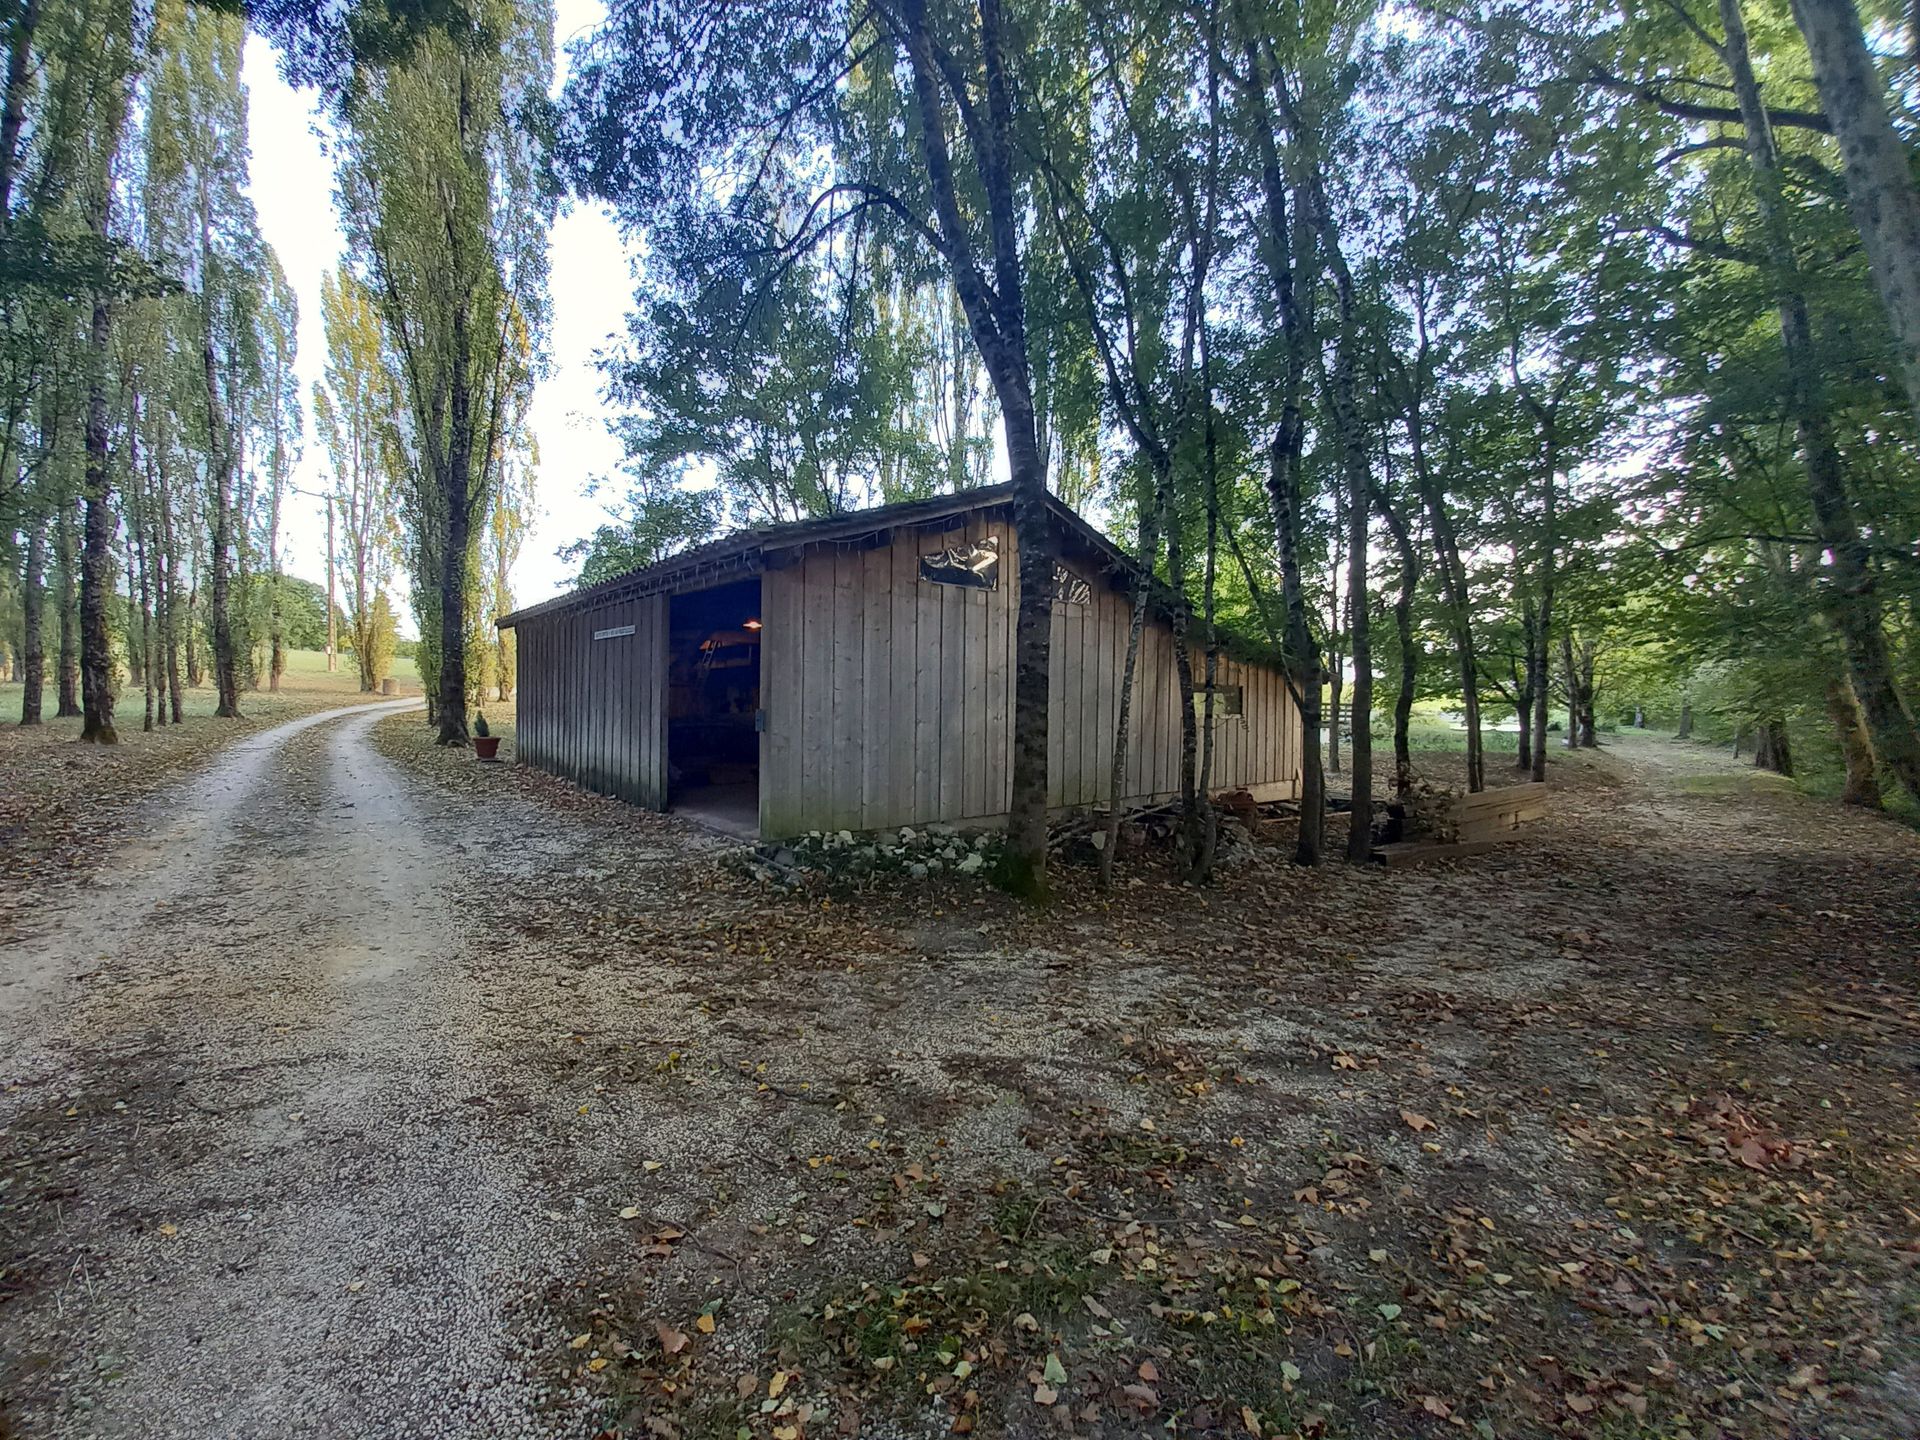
(889, 700)
(594, 711)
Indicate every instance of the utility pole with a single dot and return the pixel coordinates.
(333, 634)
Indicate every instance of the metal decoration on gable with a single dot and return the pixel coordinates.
(1069, 588)
(975, 565)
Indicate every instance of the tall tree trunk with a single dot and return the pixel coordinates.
(1403, 635)
(1148, 555)
(1572, 682)
(1540, 685)
(1357, 479)
(96, 565)
(1189, 720)
(220, 461)
(1286, 237)
(1033, 624)
(1360, 827)
(1852, 598)
(67, 555)
(170, 619)
(1302, 654)
(1685, 729)
(1856, 745)
(1878, 168)
(33, 598)
(13, 109)
(1771, 750)
(1454, 591)
(457, 488)
(996, 316)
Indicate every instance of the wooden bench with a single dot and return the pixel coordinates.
(1479, 822)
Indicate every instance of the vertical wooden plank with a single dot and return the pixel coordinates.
(849, 644)
(817, 667)
(929, 668)
(781, 643)
(904, 645)
(998, 790)
(657, 703)
(568, 646)
(953, 674)
(876, 686)
(1103, 617)
(1088, 782)
(973, 698)
(1059, 677)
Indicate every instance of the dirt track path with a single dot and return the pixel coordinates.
(283, 1154)
(238, 1095)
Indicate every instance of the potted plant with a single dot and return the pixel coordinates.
(485, 746)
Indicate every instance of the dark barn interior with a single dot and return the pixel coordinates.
(713, 698)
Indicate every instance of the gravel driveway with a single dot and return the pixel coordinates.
(253, 1182)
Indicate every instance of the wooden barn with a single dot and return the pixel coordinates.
(856, 673)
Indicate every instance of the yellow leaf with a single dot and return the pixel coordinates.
(704, 1324)
(777, 1384)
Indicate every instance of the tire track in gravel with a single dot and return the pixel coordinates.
(248, 1190)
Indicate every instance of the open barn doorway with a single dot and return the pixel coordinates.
(713, 697)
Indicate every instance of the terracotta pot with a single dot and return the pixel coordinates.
(487, 747)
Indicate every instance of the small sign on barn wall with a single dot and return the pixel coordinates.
(613, 632)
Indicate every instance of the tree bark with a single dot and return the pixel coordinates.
(170, 622)
(1877, 165)
(140, 565)
(1572, 681)
(96, 564)
(1454, 591)
(1403, 634)
(1360, 643)
(1770, 747)
(1148, 555)
(1523, 707)
(1287, 237)
(457, 489)
(1852, 599)
(996, 316)
(66, 554)
(220, 456)
(1303, 655)
(13, 110)
(33, 597)
(1685, 729)
(1856, 745)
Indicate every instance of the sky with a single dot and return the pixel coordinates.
(592, 286)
